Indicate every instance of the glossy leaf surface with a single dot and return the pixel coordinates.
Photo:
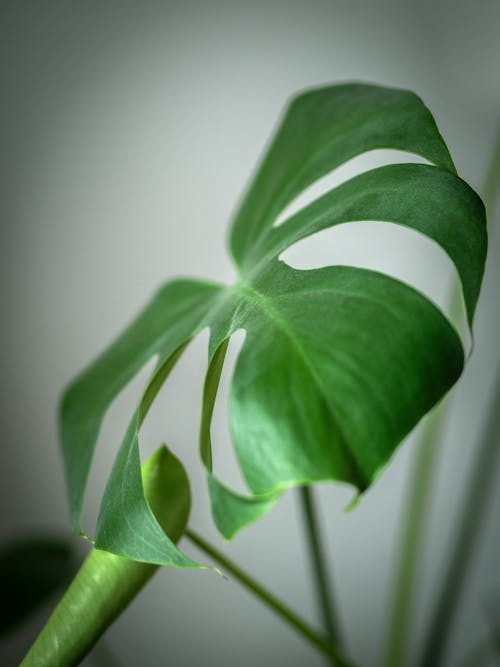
(338, 363)
(320, 130)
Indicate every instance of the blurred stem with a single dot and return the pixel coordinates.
(477, 494)
(319, 642)
(477, 489)
(421, 482)
(485, 648)
(491, 186)
(413, 523)
(318, 565)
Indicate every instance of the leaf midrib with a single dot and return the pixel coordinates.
(255, 297)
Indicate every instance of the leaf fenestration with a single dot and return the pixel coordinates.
(320, 130)
(126, 524)
(339, 363)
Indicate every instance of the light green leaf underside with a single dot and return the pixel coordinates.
(320, 130)
(231, 511)
(143, 517)
(126, 524)
(167, 492)
(338, 364)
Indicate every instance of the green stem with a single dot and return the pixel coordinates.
(414, 515)
(477, 494)
(268, 599)
(491, 182)
(102, 588)
(318, 563)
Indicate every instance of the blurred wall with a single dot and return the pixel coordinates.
(128, 131)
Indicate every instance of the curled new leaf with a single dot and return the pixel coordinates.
(106, 583)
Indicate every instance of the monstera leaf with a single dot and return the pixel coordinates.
(338, 363)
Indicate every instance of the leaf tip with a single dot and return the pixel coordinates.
(354, 502)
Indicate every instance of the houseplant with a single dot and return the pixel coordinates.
(339, 363)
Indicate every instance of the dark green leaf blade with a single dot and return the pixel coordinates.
(231, 511)
(321, 129)
(173, 316)
(424, 198)
(338, 365)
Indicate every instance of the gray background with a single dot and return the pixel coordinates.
(128, 131)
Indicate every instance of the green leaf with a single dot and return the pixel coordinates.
(173, 316)
(32, 570)
(126, 523)
(338, 364)
(323, 128)
(231, 511)
(106, 583)
(423, 198)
